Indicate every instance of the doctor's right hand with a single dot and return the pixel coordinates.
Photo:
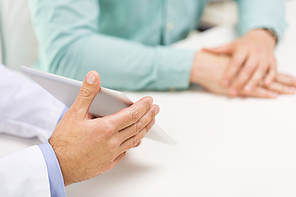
(87, 147)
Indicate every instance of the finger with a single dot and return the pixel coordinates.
(270, 77)
(260, 92)
(286, 79)
(119, 158)
(133, 141)
(281, 88)
(90, 116)
(130, 115)
(235, 65)
(257, 76)
(226, 49)
(87, 93)
(138, 126)
(138, 144)
(245, 73)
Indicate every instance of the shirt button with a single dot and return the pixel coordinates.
(172, 89)
(170, 26)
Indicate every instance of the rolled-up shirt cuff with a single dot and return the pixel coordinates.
(55, 176)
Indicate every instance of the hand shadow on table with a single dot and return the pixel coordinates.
(127, 170)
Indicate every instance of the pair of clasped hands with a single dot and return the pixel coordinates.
(247, 68)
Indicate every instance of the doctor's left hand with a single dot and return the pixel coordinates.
(88, 147)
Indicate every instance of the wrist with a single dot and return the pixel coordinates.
(60, 161)
(263, 36)
(272, 33)
(196, 69)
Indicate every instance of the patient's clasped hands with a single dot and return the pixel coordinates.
(88, 147)
(247, 68)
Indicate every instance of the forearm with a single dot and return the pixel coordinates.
(126, 65)
(74, 46)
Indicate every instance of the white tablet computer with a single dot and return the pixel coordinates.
(106, 102)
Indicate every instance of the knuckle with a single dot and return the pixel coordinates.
(245, 45)
(138, 127)
(259, 52)
(290, 81)
(147, 128)
(262, 69)
(135, 140)
(112, 144)
(109, 127)
(237, 62)
(85, 92)
(286, 89)
(135, 115)
(250, 68)
(73, 109)
(148, 103)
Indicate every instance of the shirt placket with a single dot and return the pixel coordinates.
(168, 23)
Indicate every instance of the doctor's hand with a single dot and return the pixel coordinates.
(88, 147)
(208, 70)
(252, 61)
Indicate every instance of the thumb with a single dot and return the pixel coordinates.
(226, 49)
(87, 93)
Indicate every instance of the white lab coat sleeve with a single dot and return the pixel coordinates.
(24, 174)
(26, 109)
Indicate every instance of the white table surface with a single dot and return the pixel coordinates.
(226, 147)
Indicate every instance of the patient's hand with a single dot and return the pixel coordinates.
(87, 147)
(252, 61)
(208, 70)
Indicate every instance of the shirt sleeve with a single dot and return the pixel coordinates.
(262, 13)
(55, 176)
(24, 173)
(27, 110)
(70, 45)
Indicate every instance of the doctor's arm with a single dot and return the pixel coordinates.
(27, 110)
(80, 148)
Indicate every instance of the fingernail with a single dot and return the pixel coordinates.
(157, 110)
(274, 94)
(233, 91)
(152, 123)
(225, 82)
(248, 88)
(292, 90)
(91, 78)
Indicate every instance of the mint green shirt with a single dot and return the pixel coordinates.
(126, 40)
